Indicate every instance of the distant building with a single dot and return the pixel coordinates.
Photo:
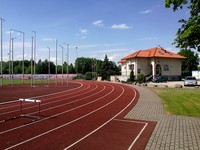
(152, 62)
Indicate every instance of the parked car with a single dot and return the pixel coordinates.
(160, 79)
(189, 80)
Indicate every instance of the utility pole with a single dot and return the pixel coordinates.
(1, 51)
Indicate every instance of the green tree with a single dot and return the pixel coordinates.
(188, 35)
(107, 69)
(131, 76)
(71, 69)
(190, 63)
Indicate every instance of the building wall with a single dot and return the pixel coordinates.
(169, 67)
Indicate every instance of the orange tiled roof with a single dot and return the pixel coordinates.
(152, 52)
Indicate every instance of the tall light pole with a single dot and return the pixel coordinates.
(12, 41)
(13, 30)
(67, 64)
(32, 61)
(62, 63)
(76, 61)
(49, 65)
(34, 49)
(1, 51)
(56, 62)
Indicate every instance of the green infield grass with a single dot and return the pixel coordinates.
(26, 81)
(185, 102)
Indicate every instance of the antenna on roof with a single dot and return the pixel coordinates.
(162, 48)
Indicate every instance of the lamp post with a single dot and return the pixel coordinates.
(13, 30)
(62, 63)
(76, 61)
(49, 65)
(1, 52)
(34, 49)
(32, 38)
(56, 63)
(12, 47)
(67, 64)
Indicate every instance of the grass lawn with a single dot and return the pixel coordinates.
(185, 102)
(17, 81)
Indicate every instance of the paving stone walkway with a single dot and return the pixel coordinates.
(172, 132)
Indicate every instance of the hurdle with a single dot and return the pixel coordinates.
(32, 101)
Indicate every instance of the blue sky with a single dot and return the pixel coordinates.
(97, 27)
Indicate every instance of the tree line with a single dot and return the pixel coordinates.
(82, 66)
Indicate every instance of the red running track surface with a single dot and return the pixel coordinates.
(83, 115)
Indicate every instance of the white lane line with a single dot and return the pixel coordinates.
(139, 134)
(46, 103)
(35, 137)
(130, 147)
(58, 113)
(4, 103)
(105, 122)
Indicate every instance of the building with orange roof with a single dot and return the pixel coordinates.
(152, 62)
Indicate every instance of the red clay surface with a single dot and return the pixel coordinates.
(82, 115)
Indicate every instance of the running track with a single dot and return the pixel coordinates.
(84, 115)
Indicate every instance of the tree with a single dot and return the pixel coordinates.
(190, 63)
(107, 69)
(131, 76)
(188, 36)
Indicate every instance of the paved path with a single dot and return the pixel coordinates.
(172, 132)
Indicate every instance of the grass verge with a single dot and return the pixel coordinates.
(185, 102)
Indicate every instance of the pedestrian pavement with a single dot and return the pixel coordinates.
(172, 132)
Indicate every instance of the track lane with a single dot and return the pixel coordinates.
(78, 123)
(53, 110)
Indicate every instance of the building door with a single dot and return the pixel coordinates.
(158, 70)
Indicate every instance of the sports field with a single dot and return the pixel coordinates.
(82, 115)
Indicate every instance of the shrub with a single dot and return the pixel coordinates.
(141, 78)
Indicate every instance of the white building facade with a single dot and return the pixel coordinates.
(152, 63)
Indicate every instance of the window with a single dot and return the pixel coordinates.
(166, 68)
(131, 67)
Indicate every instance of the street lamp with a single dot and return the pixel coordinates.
(1, 52)
(12, 47)
(34, 49)
(11, 30)
(67, 63)
(56, 62)
(32, 38)
(49, 65)
(76, 62)
(62, 63)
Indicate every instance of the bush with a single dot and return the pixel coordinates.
(141, 78)
(90, 75)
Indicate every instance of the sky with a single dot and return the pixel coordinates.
(97, 28)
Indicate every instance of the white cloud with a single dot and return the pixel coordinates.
(146, 11)
(110, 50)
(149, 38)
(83, 31)
(98, 23)
(120, 26)
(48, 39)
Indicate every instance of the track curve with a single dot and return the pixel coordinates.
(73, 119)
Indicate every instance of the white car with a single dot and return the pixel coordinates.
(189, 80)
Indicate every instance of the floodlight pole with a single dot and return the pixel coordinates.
(1, 51)
(34, 49)
(32, 62)
(56, 62)
(67, 64)
(49, 65)
(77, 62)
(62, 63)
(12, 39)
(22, 50)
